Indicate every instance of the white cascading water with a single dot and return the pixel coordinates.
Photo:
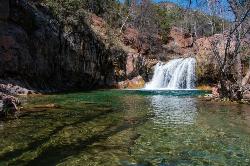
(176, 74)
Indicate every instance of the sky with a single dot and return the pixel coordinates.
(185, 3)
(179, 2)
(175, 1)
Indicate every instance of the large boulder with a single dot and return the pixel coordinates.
(135, 83)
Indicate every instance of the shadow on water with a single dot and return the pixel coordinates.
(55, 154)
(35, 144)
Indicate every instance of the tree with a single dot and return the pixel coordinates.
(126, 13)
(231, 80)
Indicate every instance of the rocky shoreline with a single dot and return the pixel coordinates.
(9, 102)
(215, 96)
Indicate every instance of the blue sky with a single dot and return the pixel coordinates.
(185, 3)
(175, 1)
(180, 2)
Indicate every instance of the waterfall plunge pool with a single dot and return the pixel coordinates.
(127, 128)
(168, 92)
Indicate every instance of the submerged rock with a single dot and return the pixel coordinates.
(49, 106)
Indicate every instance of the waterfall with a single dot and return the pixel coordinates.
(176, 74)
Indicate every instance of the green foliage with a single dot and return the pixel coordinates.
(154, 17)
(194, 22)
(167, 18)
(62, 9)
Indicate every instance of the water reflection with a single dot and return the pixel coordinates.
(115, 128)
(173, 110)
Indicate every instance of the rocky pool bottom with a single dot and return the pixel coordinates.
(127, 128)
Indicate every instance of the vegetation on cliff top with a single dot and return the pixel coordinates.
(144, 15)
(108, 9)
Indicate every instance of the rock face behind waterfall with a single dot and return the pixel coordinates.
(39, 52)
(176, 74)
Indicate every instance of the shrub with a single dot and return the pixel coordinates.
(107, 9)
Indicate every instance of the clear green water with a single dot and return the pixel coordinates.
(128, 128)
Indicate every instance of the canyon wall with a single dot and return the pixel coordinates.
(37, 51)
